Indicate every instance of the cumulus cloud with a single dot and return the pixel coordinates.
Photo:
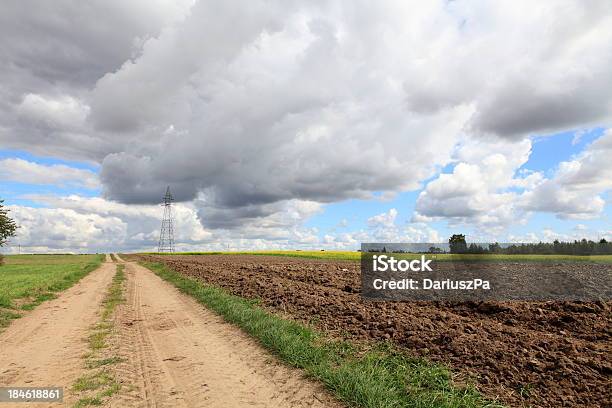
(136, 227)
(259, 119)
(74, 223)
(247, 110)
(24, 171)
(52, 56)
(141, 222)
(488, 188)
(479, 191)
(384, 228)
(62, 112)
(256, 119)
(80, 224)
(549, 235)
(66, 230)
(386, 219)
(576, 189)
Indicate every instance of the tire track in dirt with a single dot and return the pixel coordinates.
(182, 355)
(151, 384)
(44, 348)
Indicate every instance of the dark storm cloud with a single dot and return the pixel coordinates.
(520, 108)
(138, 181)
(62, 48)
(247, 106)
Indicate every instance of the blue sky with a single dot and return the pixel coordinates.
(16, 193)
(348, 216)
(547, 152)
(465, 117)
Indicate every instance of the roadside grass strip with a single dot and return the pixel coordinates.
(359, 375)
(28, 280)
(99, 382)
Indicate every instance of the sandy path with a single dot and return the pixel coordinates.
(178, 354)
(44, 348)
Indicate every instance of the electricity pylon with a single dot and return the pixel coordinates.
(166, 235)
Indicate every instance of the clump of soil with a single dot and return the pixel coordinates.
(544, 354)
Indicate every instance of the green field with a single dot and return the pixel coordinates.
(355, 256)
(28, 280)
(340, 255)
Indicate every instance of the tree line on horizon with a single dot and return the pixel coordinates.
(458, 245)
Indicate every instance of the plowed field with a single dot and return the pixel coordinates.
(544, 354)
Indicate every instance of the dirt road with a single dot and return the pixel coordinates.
(174, 353)
(179, 354)
(44, 348)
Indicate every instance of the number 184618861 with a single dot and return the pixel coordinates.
(31, 394)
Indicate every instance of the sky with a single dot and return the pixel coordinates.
(304, 125)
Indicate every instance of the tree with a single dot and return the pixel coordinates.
(457, 244)
(7, 225)
(495, 248)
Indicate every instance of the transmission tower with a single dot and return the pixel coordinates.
(166, 235)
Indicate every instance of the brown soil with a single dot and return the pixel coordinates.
(544, 354)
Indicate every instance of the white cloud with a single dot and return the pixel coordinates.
(487, 190)
(81, 224)
(384, 228)
(265, 111)
(396, 121)
(549, 235)
(142, 221)
(66, 230)
(24, 171)
(386, 219)
(116, 226)
(575, 191)
(479, 190)
(63, 112)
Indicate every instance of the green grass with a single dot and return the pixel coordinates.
(114, 296)
(6, 316)
(28, 280)
(356, 256)
(102, 362)
(87, 402)
(99, 378)
(115, 293)
(369, 377)
(92, 381)
(102, 382)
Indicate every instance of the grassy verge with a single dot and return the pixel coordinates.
(372, 377)
(28, 280)
(99, 382)
(356, 256)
